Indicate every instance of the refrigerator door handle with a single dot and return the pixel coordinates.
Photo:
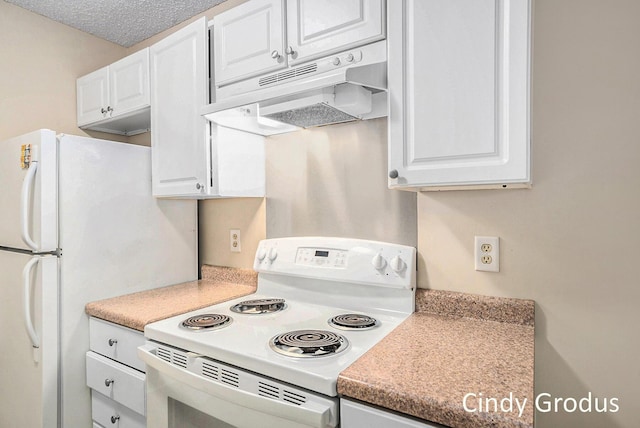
(25, 207)
(26, 284)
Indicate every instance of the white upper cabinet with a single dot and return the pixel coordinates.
(249, 40)
(129, 83)
(459, 76)
(116, 98)
(178, 132)
(317, 28)
(92, 93)
(263, 36)
(189, 157)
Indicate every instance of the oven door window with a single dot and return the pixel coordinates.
(183, 416)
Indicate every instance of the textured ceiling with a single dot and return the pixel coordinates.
(125, 22)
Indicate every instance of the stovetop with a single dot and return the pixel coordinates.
(310, 302)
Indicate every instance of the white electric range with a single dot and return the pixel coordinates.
(273, 358)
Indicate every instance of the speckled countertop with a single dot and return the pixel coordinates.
(136, 310)
(455, 344)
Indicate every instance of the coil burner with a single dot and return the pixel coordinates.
(259, 306)
(308, 343)
(353, 322)
(206, 322)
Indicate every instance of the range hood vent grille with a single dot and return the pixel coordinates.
(313, 115)
(289, 74)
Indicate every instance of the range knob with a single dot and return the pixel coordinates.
(262, 253)
(273, 253)
(397, 264)
(378, 261)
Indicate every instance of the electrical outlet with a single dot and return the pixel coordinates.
(487, 253)
(234, 240)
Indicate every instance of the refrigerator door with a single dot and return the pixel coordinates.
(116, 239)
(28, 194)
(29, 387)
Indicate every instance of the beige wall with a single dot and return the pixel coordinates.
(217, 217)
(40, 61)
(571, 243)
(332, 181)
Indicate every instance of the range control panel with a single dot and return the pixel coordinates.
(339, 259)
(325, 257)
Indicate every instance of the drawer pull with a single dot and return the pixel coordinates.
(113, 342)
(108, 382)
(115, 418)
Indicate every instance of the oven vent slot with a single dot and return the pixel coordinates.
(229, 377)
(289, 74)
(293, 398)
(180, 359)
(172, 356)
(267, 390)
(164, 354)
(211, 371)
(273, 391)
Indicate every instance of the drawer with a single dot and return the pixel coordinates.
(117, 342)
(103, 409)
(125, 385)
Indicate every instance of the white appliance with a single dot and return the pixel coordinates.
(342, 87)
(78, 223)
(273, 358)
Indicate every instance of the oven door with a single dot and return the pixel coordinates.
(186, 390)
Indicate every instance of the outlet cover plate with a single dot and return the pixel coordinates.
(487, 253)
(234, 241)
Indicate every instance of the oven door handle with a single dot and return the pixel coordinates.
(311, 414)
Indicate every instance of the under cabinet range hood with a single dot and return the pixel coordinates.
(340, 88)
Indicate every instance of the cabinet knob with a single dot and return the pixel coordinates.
(393, 173)
(103, 111)
(198, 186)
(113, 342)
(290, 51)
(115, 418)
(108, 382)
(109, 108)
(276, 55)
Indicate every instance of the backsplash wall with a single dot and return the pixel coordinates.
(332, 181)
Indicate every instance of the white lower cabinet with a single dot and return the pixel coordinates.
(108, 413)
(115, 376)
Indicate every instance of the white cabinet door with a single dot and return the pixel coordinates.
(317, 28)
(249, 40)
(116, 98)
(459, 93)
(92, 92)
(117, 381)
(179, 88)
(129, 83)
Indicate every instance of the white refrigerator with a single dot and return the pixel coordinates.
(77, 224)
